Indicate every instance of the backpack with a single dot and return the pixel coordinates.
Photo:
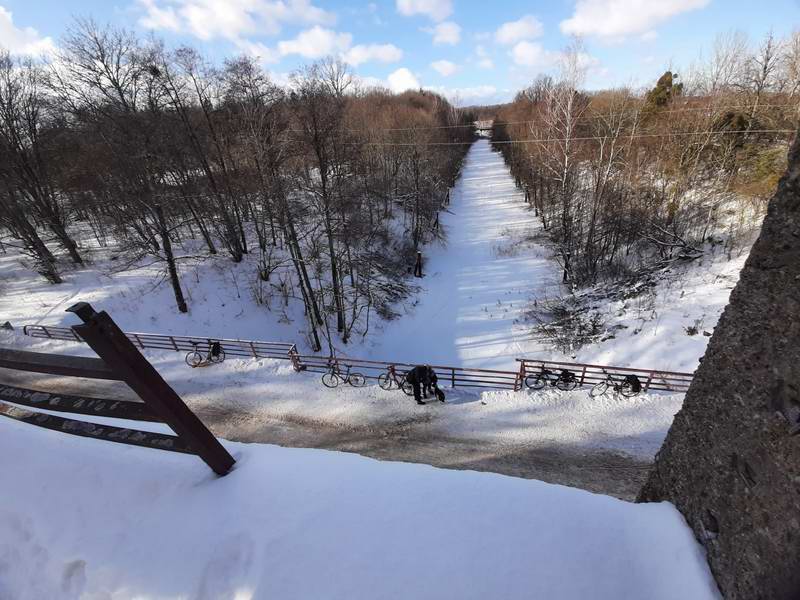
(215, 349)
(634, 382)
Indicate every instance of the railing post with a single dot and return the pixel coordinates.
(649, 380)
(47, 333)
(253, 350)
(519, 382)
(452, 378)
(174, 344)
(583, 376)
(119, 353)
(141, 345)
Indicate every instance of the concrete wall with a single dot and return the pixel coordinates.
(730, 462)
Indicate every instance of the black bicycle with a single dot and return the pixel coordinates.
(337, 375)
(215, 354)
(627, 386)
(564, 381)
(392, 378)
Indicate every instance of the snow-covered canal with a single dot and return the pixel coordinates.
(475, 288)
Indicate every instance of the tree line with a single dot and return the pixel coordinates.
(331, 185)
(627, 180)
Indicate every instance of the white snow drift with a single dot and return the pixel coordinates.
(83, 518)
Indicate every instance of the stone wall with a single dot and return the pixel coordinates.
(731, 460)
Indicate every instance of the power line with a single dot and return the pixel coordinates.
(671, 111)
(578, 139)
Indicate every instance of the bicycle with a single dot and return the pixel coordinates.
(628, 386)
(564, 381)
(214, 355)
(392, 379)
(335, 376)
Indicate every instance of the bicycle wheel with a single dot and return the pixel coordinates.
(357, 380)
(408, 389)
(330, 380)
(194, 359)
(626, 390)
(565, 385)
(219, 357)
(598, 389)
(385, 381)
(535, 382)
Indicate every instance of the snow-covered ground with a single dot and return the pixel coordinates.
(468, 313)
(268, 389)
(476, 288)
(86, 519)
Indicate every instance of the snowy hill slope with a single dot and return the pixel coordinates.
(471, 310)
(92, 519)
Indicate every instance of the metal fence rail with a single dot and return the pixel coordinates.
(587, 374)
(455, 376)
(178, 343)
(118, 360)
(652, 379)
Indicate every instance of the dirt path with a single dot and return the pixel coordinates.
(407, 441)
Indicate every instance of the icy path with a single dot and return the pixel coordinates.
(476, 287)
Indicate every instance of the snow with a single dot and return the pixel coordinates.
(92, 519)
(475, 289)
(267, 390)
(654, 326)
(469, 312)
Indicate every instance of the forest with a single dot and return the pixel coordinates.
(156, 151)
(627, 182)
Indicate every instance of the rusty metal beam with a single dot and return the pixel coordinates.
(113, 346)
(56, 364)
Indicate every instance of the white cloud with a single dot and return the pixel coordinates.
(159, 18)
(386, 53)
(260, 51)
(230, 19)
(619, 18)
(532, 54)
(526, 28)
(482, 94)
(446, 33)
(444, 67)
(401, 80)
(438, 10)
(22, 40)
(484, 62)
(316, 43)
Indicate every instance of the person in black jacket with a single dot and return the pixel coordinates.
(424, 380)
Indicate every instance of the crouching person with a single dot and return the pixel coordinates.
(423, 380)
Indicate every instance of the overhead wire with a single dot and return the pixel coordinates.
(579, 138)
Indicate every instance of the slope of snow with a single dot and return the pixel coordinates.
(469, 312)
(267, 389)
(475, 288)
(655, 327)
(83, 518)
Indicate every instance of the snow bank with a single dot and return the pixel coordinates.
(268, 389)
(82, 518)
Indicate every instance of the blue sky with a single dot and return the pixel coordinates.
(477, 51)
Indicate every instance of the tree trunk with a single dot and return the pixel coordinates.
(171, 266)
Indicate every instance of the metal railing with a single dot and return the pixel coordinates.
(651, 379)
(178, 343)
(455, 376)
(118, 360)
(586, 374)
